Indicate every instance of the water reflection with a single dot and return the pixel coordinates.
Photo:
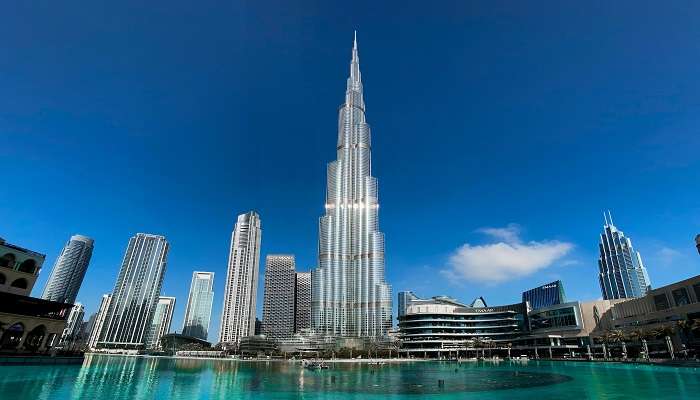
(114, 378)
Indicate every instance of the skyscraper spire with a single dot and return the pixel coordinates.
(355, 79)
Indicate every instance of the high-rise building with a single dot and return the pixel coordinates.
(238, 314)
(545, 295)
(697, 243)
(350, 296)
(135, 294)
(73, 325)
(99, 321)
(69, 270)
(405, 299)
(278, 299)
(302, 301)
(199, 302)
(162, 318)
(621, 271)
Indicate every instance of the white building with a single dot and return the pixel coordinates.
(69, 270)
(99, 321)
(350, 295)
(73, 325)
(238, 314)
(135, 294)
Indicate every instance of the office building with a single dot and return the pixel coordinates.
(74, 324)
(302, 301)
(546, 295)
(240, 294)
(405, 299)
(278, 299)
(350, 297)
(621, 271)
(199, 302)
(135, 295)
(160, 324)
(99, 321)
(69, 270)
(30, 325)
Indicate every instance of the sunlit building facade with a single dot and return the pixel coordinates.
(241, 290)
(621, 271)
(69, 270)
(135, 295)
(162, 318)
(199, 303)
(350, 296)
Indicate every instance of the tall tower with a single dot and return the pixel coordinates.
(135, 295)
(99, 321)
(68, 272)
(621, 271)
(160, 324)
(238, 314)
(278, 299)
(199, 302)
(350, 295)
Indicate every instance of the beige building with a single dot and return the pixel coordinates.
(27, 324)
(662, 307)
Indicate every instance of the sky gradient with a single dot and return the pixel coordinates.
(501, 132)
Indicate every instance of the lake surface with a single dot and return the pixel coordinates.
(115, 377)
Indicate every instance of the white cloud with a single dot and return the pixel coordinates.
(509, 234)
(505, 260)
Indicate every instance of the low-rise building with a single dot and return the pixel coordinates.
(30, 325)
(442, 326)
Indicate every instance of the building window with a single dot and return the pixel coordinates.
(696, 289)
(680, 296)
(7, 261)
(12, 336)
(28, 266)
(20, 283)
(661, 302)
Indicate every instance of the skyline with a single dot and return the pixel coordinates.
(662, 226)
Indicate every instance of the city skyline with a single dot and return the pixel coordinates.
(468, 142)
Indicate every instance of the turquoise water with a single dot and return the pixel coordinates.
(114, 377)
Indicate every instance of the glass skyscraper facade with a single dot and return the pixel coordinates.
(238, 314)
(162, 318)
(199, 302)
(69, 270)
(621, 271)
(350, 296)
(135, 295)
(545, 295)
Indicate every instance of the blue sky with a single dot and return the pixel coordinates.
(496, 125)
